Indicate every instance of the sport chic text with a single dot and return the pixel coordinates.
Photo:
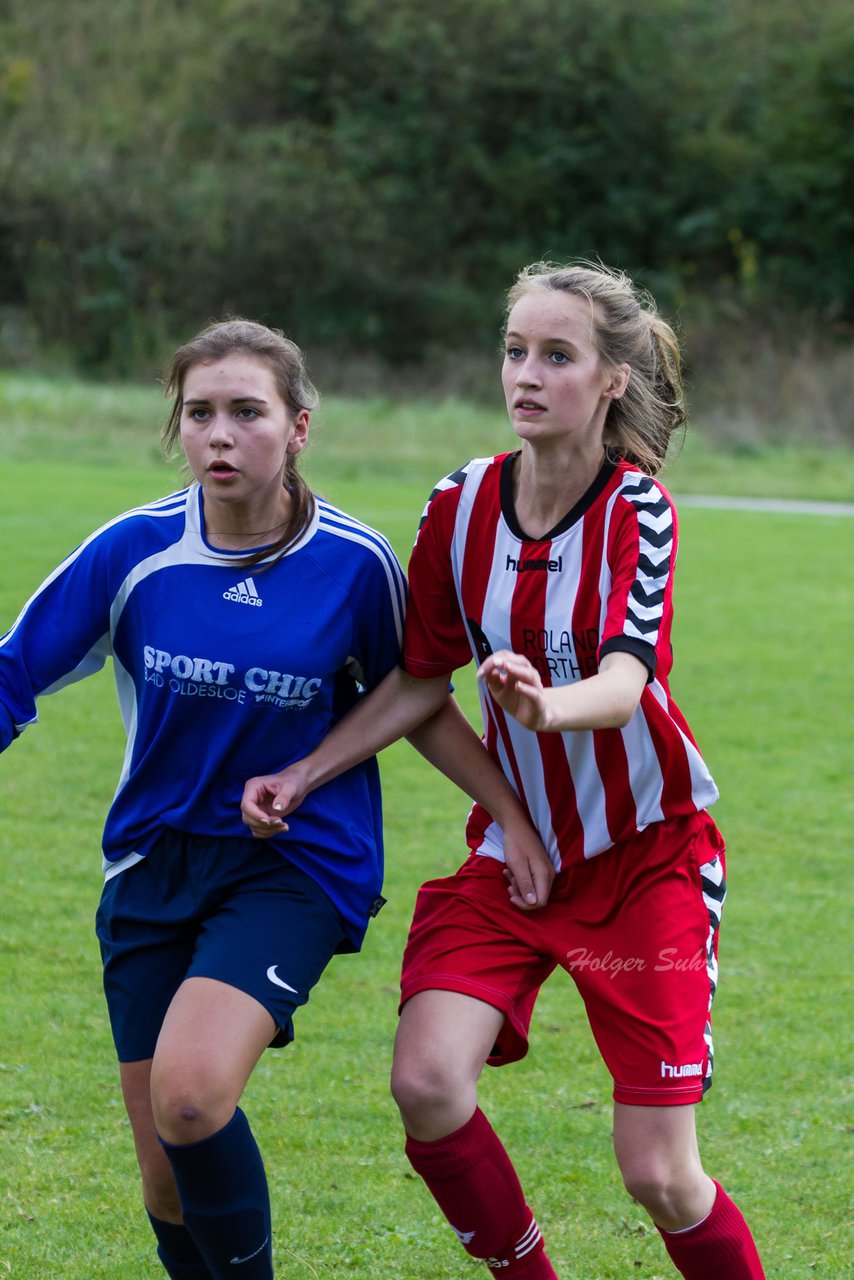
(204, 677)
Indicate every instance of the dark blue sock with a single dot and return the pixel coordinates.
(225, 1201)
(177, 1250)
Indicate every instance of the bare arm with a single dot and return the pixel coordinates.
(451, 745)
(398, 707)
(391, 711)
(604, 701)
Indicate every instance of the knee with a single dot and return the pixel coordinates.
(674, 1195)
(189, 1102)
(650, 1186)
(422, 1087)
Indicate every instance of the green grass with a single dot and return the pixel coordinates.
(764, 606)
(382, 440)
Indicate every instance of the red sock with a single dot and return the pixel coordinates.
(718, 1248)
(474, 1184)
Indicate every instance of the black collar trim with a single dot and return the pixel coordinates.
(584, 503)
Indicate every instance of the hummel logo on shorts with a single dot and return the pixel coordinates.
(244, 593)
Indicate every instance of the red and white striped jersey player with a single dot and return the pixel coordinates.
(599, 582)
(553, 567)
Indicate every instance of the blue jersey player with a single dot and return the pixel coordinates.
(244, 617)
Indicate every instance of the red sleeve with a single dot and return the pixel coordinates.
(435, 639)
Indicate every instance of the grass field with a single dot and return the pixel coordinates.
(764, 611)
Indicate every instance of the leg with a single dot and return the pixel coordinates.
(175, 1246)
(138, 994)
(659, 1159)
(703, 1231)
(212, 1036)
(443, 1041)
(211, 1039)
(158, 1183)
(190, 1038)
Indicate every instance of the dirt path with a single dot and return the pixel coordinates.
(779, 506)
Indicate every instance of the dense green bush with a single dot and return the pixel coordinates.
(370, 173)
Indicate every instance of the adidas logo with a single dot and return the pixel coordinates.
(464, 1237)
(244, 593)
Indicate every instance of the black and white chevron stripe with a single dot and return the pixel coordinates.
(713, 884)
(449, 482)
(655, 554)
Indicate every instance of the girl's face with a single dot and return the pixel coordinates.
(236, 432)
(555, 384)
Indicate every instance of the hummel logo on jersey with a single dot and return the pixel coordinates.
(525, 566)
(244, 593)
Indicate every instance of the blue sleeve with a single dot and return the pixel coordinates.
(379, 609)
(8, 732)
(61, 635)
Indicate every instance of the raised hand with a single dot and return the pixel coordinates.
(515, 684)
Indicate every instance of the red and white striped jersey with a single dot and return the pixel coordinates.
(600, 581)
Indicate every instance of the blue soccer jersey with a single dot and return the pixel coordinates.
(222, 674)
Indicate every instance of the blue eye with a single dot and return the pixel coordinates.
(559, 357)
(514, 353)
(247, 413)
(198, 415)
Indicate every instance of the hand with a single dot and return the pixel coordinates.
(515, 684)
(528, 871)
(268, 798)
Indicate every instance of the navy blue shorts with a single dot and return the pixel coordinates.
(208, 907)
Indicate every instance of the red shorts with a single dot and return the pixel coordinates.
(636, 927)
